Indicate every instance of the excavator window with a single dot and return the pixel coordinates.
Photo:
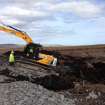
(32, 50)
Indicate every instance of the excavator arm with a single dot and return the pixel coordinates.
(16, 32)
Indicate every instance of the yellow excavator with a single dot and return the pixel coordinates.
(31, 50)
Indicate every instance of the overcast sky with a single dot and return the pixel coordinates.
(65, 22)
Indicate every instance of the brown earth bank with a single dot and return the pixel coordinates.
(82, 51)
(79, 80)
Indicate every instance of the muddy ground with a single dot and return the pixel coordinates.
(63, 86)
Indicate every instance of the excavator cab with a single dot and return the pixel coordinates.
(32, 50)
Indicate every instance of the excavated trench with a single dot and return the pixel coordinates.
(51, 82)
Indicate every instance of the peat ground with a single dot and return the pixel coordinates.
(81, 77)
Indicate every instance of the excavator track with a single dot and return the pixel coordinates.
(32, 63)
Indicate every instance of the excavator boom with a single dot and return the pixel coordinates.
(16, 32)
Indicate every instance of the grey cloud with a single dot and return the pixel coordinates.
(40, 26)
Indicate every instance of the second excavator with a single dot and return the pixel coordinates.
(32, 50)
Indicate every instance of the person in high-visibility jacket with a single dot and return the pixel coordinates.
(11, 58)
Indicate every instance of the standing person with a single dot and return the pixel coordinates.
(11, 58)
(36, 53)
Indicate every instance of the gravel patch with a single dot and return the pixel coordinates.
(26, 93)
